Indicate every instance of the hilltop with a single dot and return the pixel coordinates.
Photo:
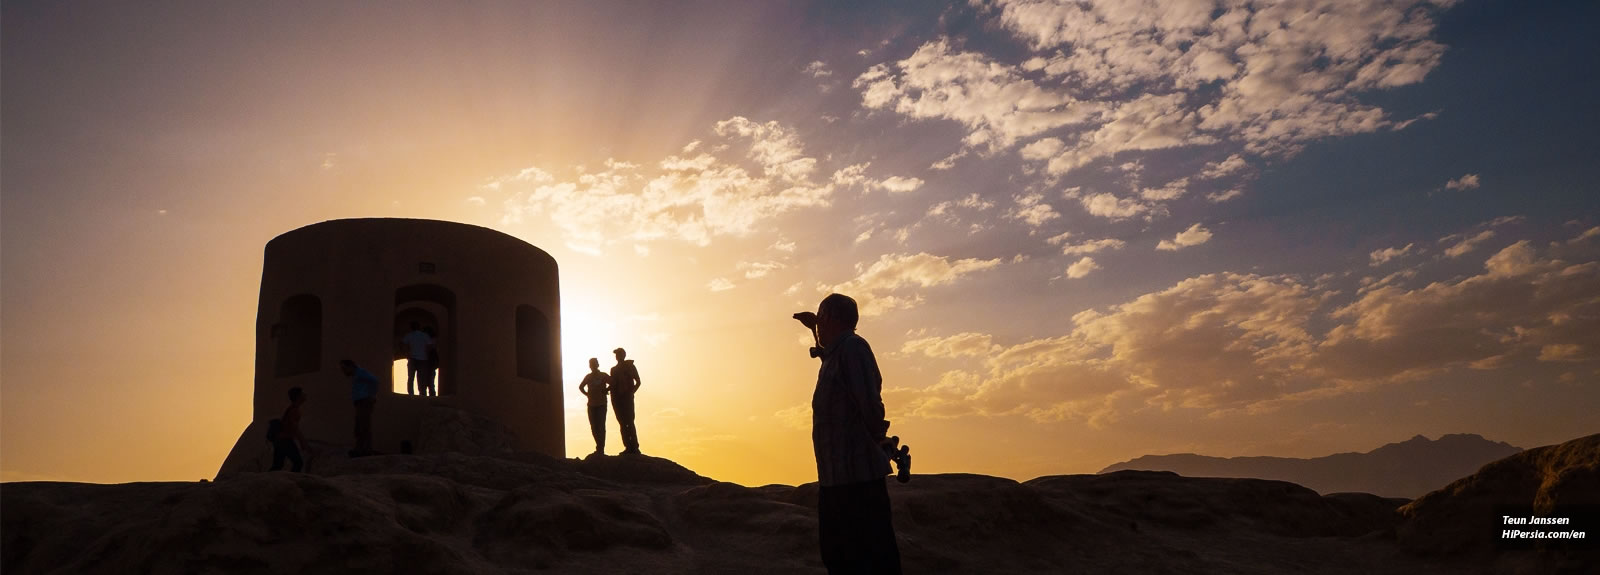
(515, 513)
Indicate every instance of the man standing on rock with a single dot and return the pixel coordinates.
(624, 382)
(848, 433)
(364, 393)
(594, 386)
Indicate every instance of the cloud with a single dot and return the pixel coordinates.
(899, 185)
(817, 69)
(1032, 210)
(1383, 256)
(1463, 183)
(1507, 316)
(669, 412)
(1245, 342)
(1465, 244)
(875, 285)
(754, 270)
(755, 172)
(1217, 341)
(1103, 77)
(1150, 122)
(972, 202)
(996, 103)
(1216, 170)
(1042, 149)
(795, 417)
(1219, 197)
(1111, 207)
(720, 284)
(1193, 236)
(783, 245)
(855, 176)
(1082, 268)
(959, 345)
(1171, 191)
(1087, 247)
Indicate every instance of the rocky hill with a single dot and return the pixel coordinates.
(519, 513)
(1406, 469)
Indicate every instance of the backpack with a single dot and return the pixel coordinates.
(274, 427)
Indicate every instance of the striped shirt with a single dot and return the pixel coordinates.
(847, 415)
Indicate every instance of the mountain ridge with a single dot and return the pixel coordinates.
(1406, 469)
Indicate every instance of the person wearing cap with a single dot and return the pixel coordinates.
(624, 383)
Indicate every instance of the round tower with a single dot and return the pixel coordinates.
(350, 289)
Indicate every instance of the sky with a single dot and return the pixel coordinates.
(1079, 232)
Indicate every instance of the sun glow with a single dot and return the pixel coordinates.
(587, 330)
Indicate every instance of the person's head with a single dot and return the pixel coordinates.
(836, 316)
(594, 363)
(416, 326)
(621, 353)
(347, 366)
(296, 395)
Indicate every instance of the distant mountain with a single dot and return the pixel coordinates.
(1407, 469)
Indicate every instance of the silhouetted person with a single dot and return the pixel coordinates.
(430, 364)
(288, 442)
(364, 393)
(624, 382)
(848, 434)
(595, 385)
(416, 344)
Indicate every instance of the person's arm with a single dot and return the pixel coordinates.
(583, 387)
(859, 373)
(636, 381)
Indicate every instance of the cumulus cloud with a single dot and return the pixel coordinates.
(1086, 247)
(1232, 165)
(880, 287)
(1032, 210)
(1219, 197)
(1193, 236)
(1140, 75)
(1223, 342)
(1523, 303)
(754, 172)
(994, 101)
(855, 175)
(973, 202)
(899, 184)
(1171, 191)
(720, 284)
(1383, 256)
(1111, 207)
(959, 345)
(1082, 268)
(1212, 342)
(1463, 183)
(1465, 244)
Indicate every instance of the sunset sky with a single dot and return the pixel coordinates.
(1080, 232)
